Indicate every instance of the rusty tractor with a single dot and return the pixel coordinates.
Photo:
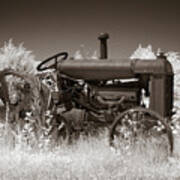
(131, 97)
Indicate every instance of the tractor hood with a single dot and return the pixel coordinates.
(108, 69)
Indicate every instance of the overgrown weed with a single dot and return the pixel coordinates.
(88, 158)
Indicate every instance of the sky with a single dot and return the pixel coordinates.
(50, 26)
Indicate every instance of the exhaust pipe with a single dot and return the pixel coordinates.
(103, 45)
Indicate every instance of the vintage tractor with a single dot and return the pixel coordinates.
(131, 97)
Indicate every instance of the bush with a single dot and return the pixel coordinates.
(17, 58)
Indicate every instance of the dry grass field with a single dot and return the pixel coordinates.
(90, 158)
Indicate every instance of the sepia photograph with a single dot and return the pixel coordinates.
(89, 90)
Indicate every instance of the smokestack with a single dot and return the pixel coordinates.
(103, 45)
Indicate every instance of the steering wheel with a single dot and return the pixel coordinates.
(54, 65)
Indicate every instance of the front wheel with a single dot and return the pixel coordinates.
(139, 122)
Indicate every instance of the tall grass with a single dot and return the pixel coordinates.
(90, 158)
(17, 58)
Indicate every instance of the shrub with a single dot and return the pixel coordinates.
(17, 58)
